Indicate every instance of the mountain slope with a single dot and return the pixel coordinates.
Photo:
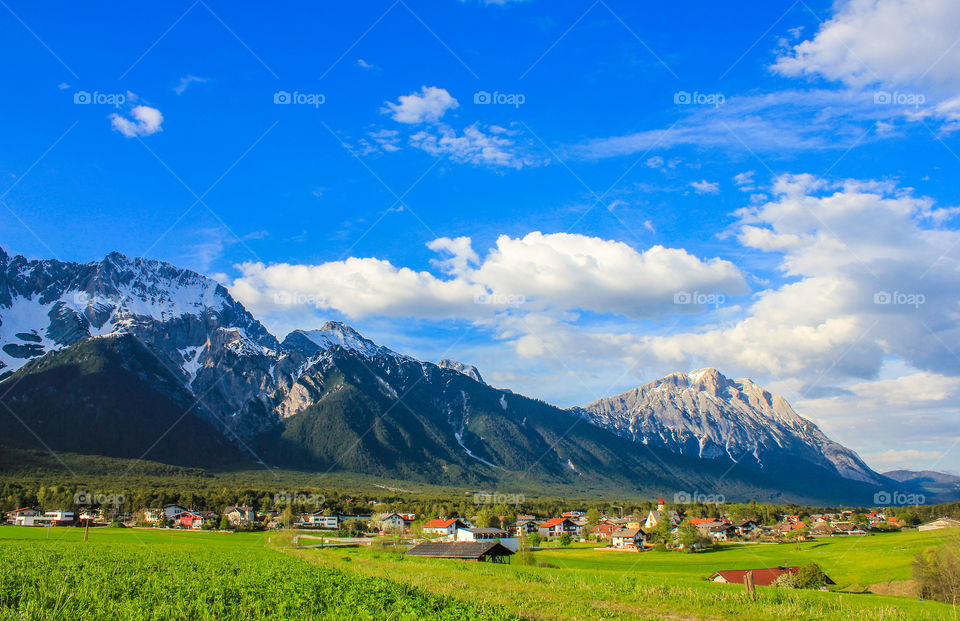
(109, 396)
(706, 414)
(935, 486)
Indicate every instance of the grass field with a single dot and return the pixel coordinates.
(144, 574)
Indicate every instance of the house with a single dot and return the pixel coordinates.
(850, 529)
(389, 521)
(791, 519)
(238, 514)
(627, 538)
(32, 517)
(443, 526)
(489, 534)
(745, 528)
(22, 516)
(319, 520)
(602, 531)
(940, 524)
(555, 527)
(194, 519)
(822, 529)
(524, 526)
(720, 531)
(761, 577)
(479, 551)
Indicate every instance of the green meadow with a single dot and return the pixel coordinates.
(148, 573)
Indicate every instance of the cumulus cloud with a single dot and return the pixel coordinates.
(883, 41)
(429, 105)
(536, 273)
(145, 121)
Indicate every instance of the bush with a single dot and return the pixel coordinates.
(938, 573)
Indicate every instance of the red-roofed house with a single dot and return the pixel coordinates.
(443, 526)
(761, 577)
(699, 521)
(603, 530)
(557, 526)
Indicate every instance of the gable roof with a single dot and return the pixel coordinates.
(555, 521)
(699, 521)
(626, 532)
(459, 549)
(761, 577)
(441, 523)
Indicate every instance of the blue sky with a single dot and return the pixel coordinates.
(577, 197)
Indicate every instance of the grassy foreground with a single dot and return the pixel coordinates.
(582, 583)
(149, 574)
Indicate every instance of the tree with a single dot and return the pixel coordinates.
(662, 532)
(534, 539)
(593, 517)
(565, 539)
(286, 516)
(224, 523)
(810, 576)
(689, 535)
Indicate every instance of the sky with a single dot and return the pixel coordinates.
(576, 197)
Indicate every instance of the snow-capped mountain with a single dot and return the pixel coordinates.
(467, 369)
(706, 414)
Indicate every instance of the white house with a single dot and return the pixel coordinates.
(318, 520)
(389, 521)
(237, 514)
(489, 534)
(443, 526)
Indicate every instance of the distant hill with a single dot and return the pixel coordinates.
(936, 486)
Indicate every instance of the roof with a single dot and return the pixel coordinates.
(459, 549)
(626, 532)
(554, 521)
(441, 523)
(487, 531)
(699, 521)
(761, 577)
(20, 509)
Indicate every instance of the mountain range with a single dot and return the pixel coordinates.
(134, 358)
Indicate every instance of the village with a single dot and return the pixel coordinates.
(469, 539)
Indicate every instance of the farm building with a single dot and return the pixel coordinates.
(480, 551)
(940, 523)
(761, 577)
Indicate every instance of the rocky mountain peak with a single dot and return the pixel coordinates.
(467, 369)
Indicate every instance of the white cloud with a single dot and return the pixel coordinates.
(536, 273)
(428, 106)
(483, 146)
(883, 41)
(706, 187)
(187, 81)
(365, 65)
(744, 181)
(146, 121)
